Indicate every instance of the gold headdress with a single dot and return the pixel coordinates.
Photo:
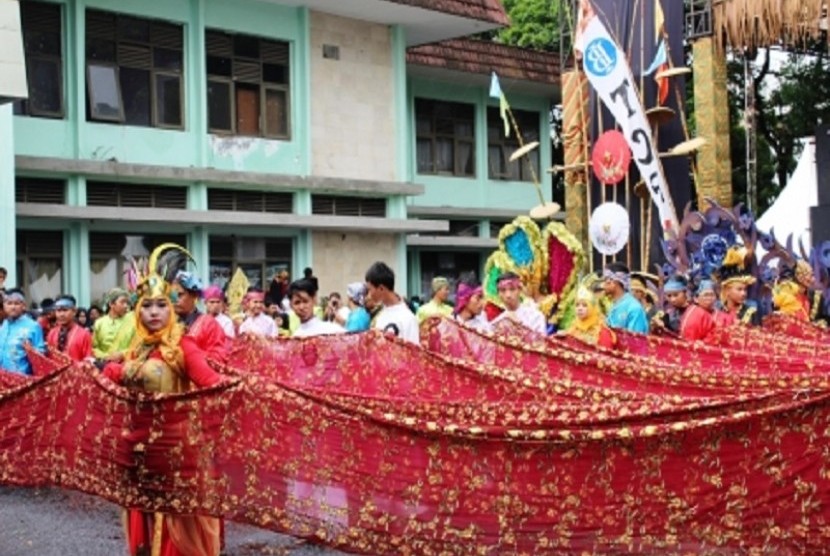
(733, 268)
(784, 296)
(165, 262)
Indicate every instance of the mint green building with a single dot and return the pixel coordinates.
(262, 135)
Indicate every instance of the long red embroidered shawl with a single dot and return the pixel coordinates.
(485, 445)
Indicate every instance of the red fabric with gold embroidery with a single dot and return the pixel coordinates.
(485, 445)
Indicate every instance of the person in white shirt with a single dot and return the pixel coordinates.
(527, 313)
(215, 305)
(257, 323)
(469, 306)
(395, 318)
(303, 296)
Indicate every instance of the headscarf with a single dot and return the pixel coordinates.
(356, 291)
(622, 278)
(439, 282)
(705, 286)
(213, 292)
(676, 284)
(587, 329)
(64, 302)
(464, 294)
(14, 294)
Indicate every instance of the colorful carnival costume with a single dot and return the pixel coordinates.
(812, 301)
(166, 361)
(590, 328)
(203, 328)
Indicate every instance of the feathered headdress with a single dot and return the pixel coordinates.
(164, 263)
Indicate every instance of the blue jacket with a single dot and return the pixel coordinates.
(13, 336)
(628, 313)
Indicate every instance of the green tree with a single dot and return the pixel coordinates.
(533, 24)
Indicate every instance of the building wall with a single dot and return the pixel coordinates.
(352, 99)
(340, 259)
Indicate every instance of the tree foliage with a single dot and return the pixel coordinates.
(533, 24)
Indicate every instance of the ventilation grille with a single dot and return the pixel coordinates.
(250, 201)
(135, 195)
(40, 243)
(348, 206)
(39, 16)
(34, 190)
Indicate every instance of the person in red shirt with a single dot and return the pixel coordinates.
(203, 328)
(67, 336)
(688, 320)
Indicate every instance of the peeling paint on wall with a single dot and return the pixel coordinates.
(240, 148)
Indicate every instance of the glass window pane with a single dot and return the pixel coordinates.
(219, 105)
(169, 100)
(44, 86)
(424, 149)
(466, 160)
(464, 129)
(105, 98)
(135, 87)
(43, 276)
(444, 151)
(273, 73)
(220, 273)
(19, 109)
(166, 58)
(276, 113)
(254, 274)
(216, 65)
(423, 126)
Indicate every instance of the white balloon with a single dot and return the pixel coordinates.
(609, 228)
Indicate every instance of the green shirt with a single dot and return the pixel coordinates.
(111, 336)
(433, 309)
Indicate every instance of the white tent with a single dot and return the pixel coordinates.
(790, 213)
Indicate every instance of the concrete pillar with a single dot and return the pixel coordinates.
(714, 167)
(8, 250)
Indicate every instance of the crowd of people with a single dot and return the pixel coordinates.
(615, 298)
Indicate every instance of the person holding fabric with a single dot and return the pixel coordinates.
(47, 320)
(359, 319)
(437, 305)
(163, 358)
(18, 332)
(469, 307)
(256, 322)
(394, 317)
(802, 278)
(639, 287)
(215, 306)
(209, 336)
(734, 281)
(524, 312)
(303, 296)
(589, 325)
(687, 320)
(706, 297)
(626, 312)
(69, 337)
(113, 333)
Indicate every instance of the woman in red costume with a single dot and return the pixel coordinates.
(162, 358)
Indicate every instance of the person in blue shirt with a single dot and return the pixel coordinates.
(626, 312)
(359, 319)
(16, 332)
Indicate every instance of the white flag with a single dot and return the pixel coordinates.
(609, 73)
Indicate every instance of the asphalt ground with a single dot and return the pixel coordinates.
(46, 522)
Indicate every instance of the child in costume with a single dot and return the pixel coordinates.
(589, 325)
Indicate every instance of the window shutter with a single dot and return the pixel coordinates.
(348, 206)
(35, 190)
